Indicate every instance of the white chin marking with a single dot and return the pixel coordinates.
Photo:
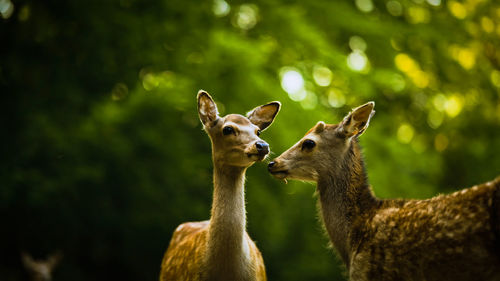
(256, 157)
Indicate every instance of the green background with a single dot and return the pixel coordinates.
(103, 154)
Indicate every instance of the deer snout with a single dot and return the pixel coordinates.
(262, 147)
(273, 166)
(276, 168)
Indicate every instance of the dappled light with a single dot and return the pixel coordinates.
(105, 154)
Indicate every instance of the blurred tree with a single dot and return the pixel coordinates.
(103, 154)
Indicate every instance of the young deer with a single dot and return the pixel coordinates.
(220, 249)
(41, 270)
(448, 237)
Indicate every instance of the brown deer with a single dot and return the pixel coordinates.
(41, 270)
(448, 237)
(220, 249)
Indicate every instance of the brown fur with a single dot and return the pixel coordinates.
(448, 237)
(220, 249)
(184, 258)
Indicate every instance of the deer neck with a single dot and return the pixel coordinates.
(227, 249)
(345, 196)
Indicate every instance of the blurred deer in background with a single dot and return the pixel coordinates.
(448, 237)
(41, 270)
(220, 249)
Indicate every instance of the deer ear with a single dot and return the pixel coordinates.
(320, 127)
(54, 259)
(263, 116)
(27, 260)
(207, 109)
(356, 122)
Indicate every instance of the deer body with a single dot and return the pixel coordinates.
(220, 249)
(448, 237)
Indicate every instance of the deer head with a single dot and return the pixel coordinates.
(235, 138)
(323, 146)
(41, 270)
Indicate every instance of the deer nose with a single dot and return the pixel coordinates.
(262, 147)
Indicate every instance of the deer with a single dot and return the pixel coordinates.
(41, 270)
(448, 237)
(220, 248)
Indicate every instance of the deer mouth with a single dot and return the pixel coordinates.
(257, 156)
(279, 174)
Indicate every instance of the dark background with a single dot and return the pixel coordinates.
(103, 155)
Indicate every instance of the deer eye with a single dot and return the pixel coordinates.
(227, 130)
(258, 132)
(308, 144)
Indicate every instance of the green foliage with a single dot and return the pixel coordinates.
(103, 154)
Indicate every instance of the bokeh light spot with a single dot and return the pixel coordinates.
(457, 9)
(291, 80)
(221, 8)
(434, 2)
(24, 13)
(441, 142)
(397, 82)
(357, 43)
(322, 76)
(119, 92)
(336, 98)
(364, 5)
(487, 24)
(466, 58)
(405, 63)
(419, 144)
(405, 133)
(435, 119)
(439, 102)
(298, 96)
(357, 61)
(149, 82)
(247, 16)
(420, 78)
(454, 105)
(394, 8)
(495, 78)
(411, 68)
(417, 14)
(310, 101)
